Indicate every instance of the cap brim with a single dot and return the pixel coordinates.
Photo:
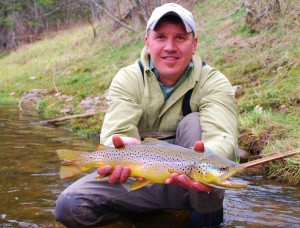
(154, 23)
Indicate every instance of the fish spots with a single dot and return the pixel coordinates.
(155, 162)
(224, 168)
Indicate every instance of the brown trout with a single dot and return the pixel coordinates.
(155, 161)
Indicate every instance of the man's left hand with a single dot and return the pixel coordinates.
(119, 173)
(186, 182)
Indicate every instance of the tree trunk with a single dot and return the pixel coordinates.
(112, 16)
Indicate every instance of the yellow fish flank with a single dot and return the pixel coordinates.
(155, 161)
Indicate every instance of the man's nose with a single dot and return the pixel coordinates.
(170, 45)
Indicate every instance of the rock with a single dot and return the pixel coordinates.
(243, 155)
(236, 87)
(86, 103)
(69, 99)
(34, 96)
(90, 110)
(66, 109)
(39, 91)
(93, 103)
(105, 95)
(258, 109)
(66, 98)
(97, 103)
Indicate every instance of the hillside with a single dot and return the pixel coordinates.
(261, 58)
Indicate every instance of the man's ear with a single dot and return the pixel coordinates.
(195, 44)
(147, 44)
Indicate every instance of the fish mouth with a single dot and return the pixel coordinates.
(226, 181)
(229, 184)
(225, 176)
(234, 183)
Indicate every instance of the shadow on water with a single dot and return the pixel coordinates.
(29, 183)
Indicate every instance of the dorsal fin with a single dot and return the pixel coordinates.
(101, 147)
(139, 184)
(153, 141)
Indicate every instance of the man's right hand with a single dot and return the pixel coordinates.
(119, 173)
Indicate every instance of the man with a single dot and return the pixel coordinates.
(170, 89)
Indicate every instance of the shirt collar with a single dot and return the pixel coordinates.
(185, 74)
(167, 90)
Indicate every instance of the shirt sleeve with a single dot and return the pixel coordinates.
(124, 111)
(218, 114)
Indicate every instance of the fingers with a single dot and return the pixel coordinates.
(120, 174)
(124, 174)
(104, 170)
(182, 180)
(131, 141)
(140, 179)
(201, 187)
(117, 141)
(199, 146)
(185, 182)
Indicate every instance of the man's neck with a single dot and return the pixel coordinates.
(168, 85)
(169, 81)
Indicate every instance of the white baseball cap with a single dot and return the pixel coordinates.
(172, 9)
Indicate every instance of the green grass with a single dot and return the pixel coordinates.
(264, 63)
(72, 62)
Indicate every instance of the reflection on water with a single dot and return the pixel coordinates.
(263, 203)
(29, 183)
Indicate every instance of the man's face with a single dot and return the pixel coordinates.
(170, 48)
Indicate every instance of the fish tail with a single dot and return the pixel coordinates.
(68, 155)
(72, 167)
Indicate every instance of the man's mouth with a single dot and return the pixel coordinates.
(170, 58)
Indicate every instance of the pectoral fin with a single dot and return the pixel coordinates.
(100, 177)
(152, 141)
(101, 147)
(69, 171)
(139, 184)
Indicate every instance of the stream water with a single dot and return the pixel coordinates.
(29, 183)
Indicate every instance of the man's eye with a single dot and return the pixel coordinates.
(160, 37)
(180, 38)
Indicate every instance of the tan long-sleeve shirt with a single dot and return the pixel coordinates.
(137, 104)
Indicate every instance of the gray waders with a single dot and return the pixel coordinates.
(89, 202)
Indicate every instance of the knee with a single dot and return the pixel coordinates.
(189, 130)
(74, 210)
(83, 210)
(190, 120)
(65, 205)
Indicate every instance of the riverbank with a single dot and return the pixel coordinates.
(30, 183)
(72, 67)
